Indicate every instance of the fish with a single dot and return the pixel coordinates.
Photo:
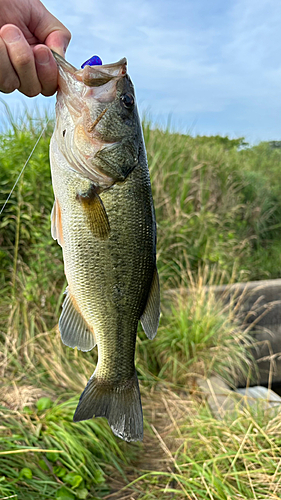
(104, 219)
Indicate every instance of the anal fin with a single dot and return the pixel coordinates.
(73, 329)
(150, 316)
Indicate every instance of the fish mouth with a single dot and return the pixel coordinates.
(87, 94)
(94, 76)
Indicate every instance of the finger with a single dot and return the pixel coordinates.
(22, 59)
(47, 70)
(49, 30)
(58, 42)
(8, 78)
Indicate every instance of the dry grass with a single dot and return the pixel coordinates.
(19, 397)
(198, 457)
(186, 452)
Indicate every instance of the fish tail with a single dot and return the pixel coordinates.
(120, 404)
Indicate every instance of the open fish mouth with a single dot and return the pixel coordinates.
(87, 94)
(94, 76)
(97, 82)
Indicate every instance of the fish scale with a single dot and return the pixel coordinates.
(103, 217)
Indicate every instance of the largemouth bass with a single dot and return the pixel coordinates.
(103, 218)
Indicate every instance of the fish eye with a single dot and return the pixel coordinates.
(128, 101)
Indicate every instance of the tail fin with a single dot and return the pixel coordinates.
(120, 404)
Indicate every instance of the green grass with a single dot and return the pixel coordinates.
(201, 334)
(230, 459)
(216, 203)
(44, 454)
(218, 211)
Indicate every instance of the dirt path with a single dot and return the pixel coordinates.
(163, 410)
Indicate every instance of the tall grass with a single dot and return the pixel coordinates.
(215, 202)
(34, 365)
(202, 332)
(230, 459)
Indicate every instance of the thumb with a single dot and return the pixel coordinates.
(49, 30)
(58, 41)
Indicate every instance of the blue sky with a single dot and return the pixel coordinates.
(213, 66)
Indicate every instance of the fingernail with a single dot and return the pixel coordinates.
(11, 35)
(42, 57)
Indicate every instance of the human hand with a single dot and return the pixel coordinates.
(27, 33)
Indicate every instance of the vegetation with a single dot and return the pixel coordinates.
(234, 458)
(201, 334)
(218, 201)
(218, 208)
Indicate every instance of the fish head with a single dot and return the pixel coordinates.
(98, 128)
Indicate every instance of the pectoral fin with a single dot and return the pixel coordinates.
(56, 223)
(73, 329)
(97, 218)
(151, 314)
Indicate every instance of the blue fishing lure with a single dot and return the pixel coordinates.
(93, 61)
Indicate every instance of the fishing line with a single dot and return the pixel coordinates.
(21, 172)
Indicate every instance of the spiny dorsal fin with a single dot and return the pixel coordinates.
(97, 219)
(73, 329)
(151, 314)
(56, 223)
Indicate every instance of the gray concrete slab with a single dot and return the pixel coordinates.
(222, 400)
(260, 307)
